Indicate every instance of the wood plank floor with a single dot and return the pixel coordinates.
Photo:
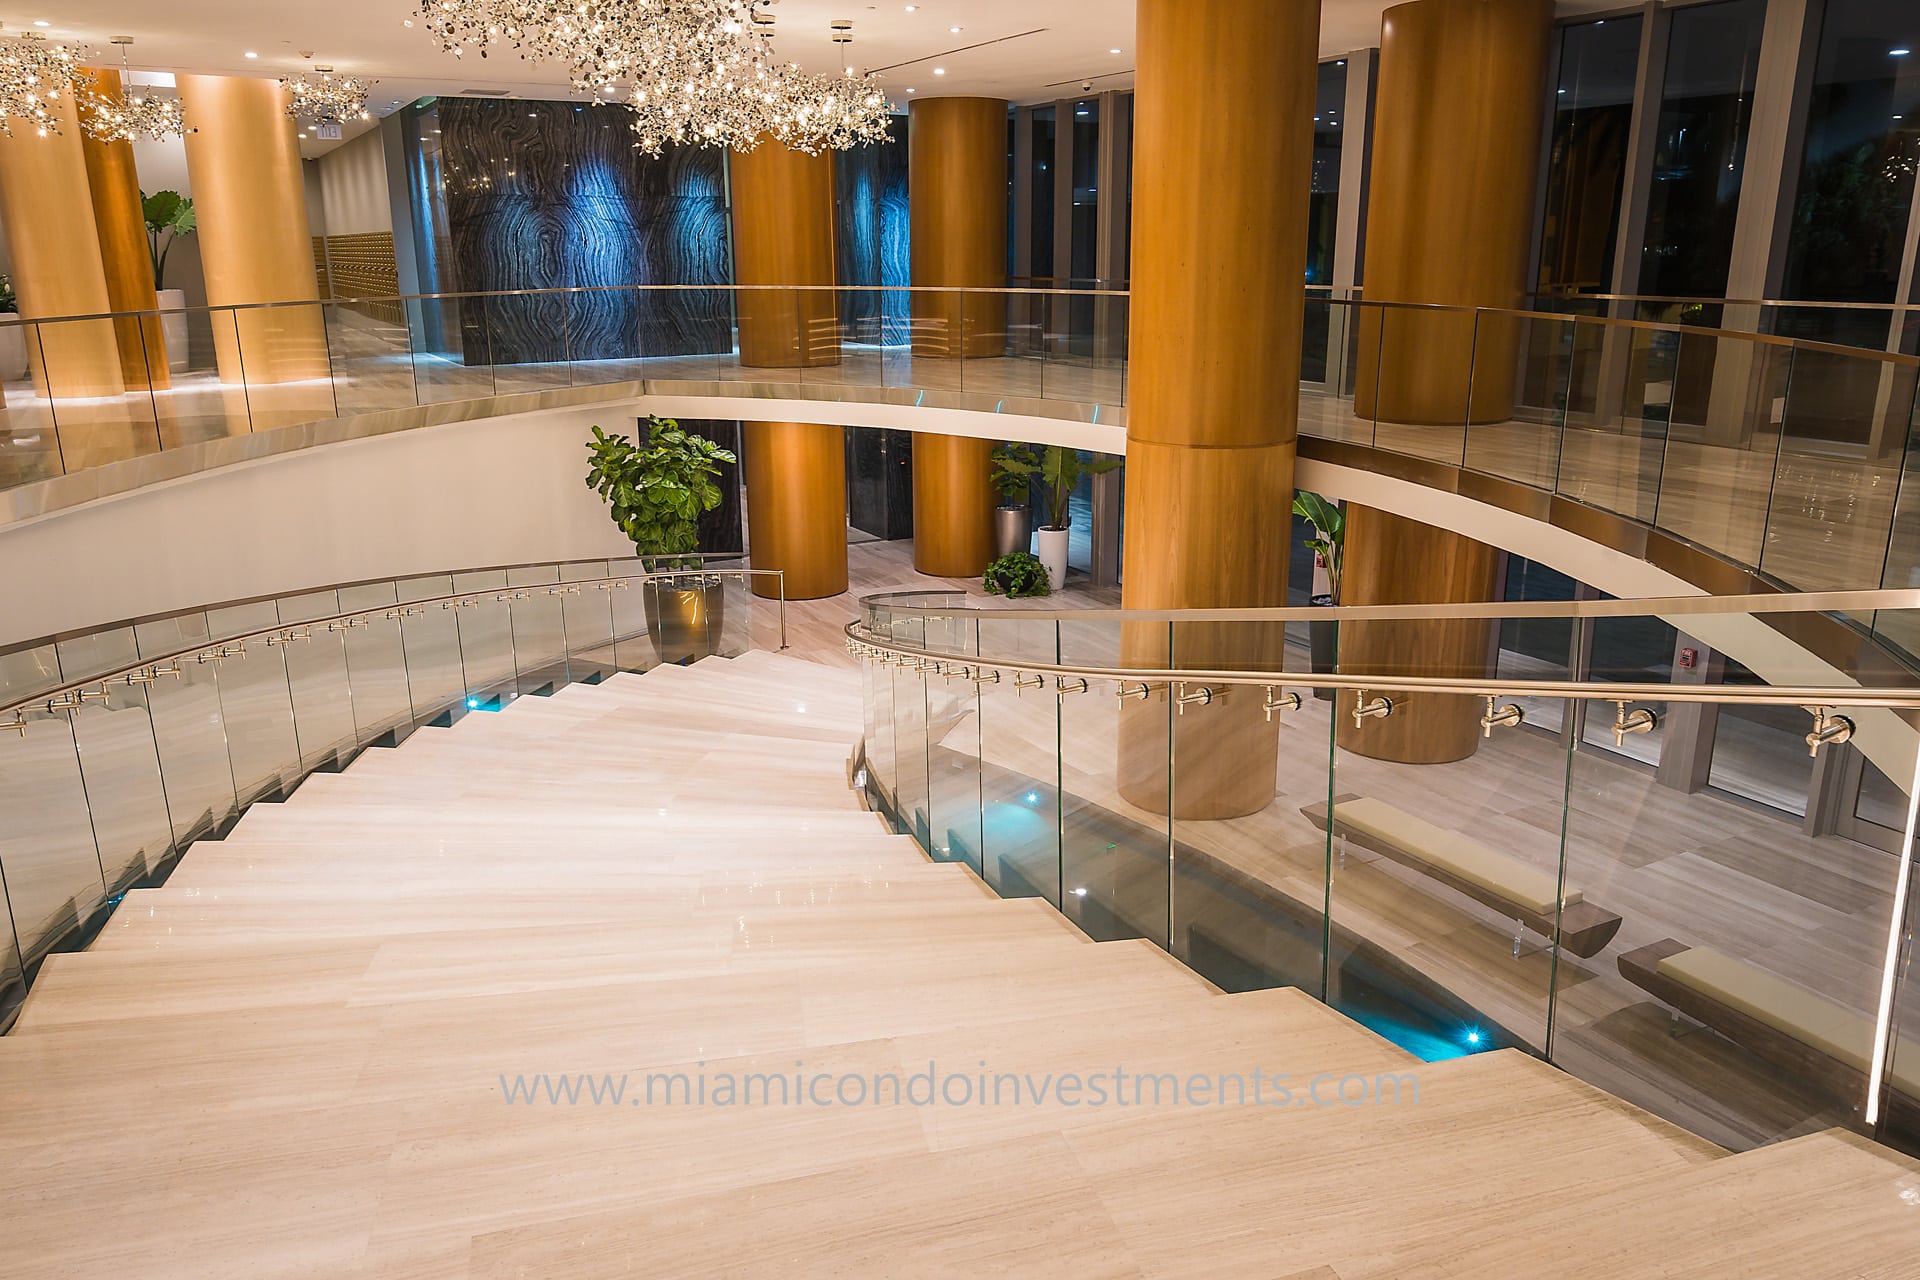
(294, 1058)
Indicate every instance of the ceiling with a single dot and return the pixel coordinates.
(1023, 50)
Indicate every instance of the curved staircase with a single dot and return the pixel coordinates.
(292, 1058)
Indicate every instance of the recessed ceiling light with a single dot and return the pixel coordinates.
(42, 22)
(939, 71)
(1340, 62)
(1891, 53)
(913, 91)
(252, 54)
(954, 30)
(912, 7)
(849, 70)
(1113, 51)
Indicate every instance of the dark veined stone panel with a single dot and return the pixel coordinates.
(554, 196)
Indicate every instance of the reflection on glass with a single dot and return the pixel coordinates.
(1592, 108)
(1857, 175)
(1699, 158)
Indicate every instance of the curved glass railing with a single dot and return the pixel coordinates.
(1794, 459)
(1560, 874)
(122, 746)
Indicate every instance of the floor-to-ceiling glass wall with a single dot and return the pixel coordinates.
(1587, 158)
(1323, 215)
(1853, 212)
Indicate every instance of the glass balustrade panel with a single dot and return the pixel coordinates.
(377, 664)
(485, 620)
(1723, 442)
(96, 391)
(189, 728)
(282, 357)
(1249, 864)
(1525, 445)
(29, 438)
(119, 758)
(370, 350)
(1019, 740)
(953, 743)
(588, 612)
(539, 629)
(316, 656)
(910, 733)
(53, 873)
(452, 348)
(1614, 440)
(430, 639)
(528, 340)
(256, 704)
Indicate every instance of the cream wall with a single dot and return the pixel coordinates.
(353, 187)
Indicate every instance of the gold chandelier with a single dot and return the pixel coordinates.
(132, 114)
(36, 75)
(325, 98)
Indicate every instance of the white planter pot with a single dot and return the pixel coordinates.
(173, 328)
(1053, 554)
(13, 352)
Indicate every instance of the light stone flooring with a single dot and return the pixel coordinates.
(288, 1060)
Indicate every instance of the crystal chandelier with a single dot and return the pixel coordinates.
(132, 114)
(34, 73)
(325, 98)
(697, 72)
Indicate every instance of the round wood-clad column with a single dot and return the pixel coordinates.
(124, 254)
(1393, 560)
(783, 236)
(255, 242)
(54, 247)
(1223, 142)
(957, 204)
(797, 507)
(953, 501)
(1456, 142)
(796, 473)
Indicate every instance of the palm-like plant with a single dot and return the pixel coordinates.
(1329, 539)
(169, 216)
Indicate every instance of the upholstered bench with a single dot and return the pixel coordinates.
(1795, 1029)
(1518, 890)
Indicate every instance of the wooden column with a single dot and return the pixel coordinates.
(1393, 560)
(1223, 142)
(54, 247)
(124, 254)
(796, 473)
(255, 243)
(783, 236)
(957, 203)
(1456, 143)
(797, 507)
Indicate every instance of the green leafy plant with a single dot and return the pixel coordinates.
(169, 217)
(658, 491)
(1013, 469)
(1329, 540)
(9, 301)
(1059, 469)
(1016, 576)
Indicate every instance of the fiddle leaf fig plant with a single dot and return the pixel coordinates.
(1329, 540)
(657, 492)
(1013, 469)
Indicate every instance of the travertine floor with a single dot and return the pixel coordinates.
(289, 1060)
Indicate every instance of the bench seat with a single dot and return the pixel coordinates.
(1518, 890)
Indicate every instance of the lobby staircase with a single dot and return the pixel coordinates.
(291, 1059)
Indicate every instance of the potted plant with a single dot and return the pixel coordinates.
(1059, 469)
(1328, 544)
(1017, 575)
(1013, 468)
(169, 217)
(656, 493)
(13, 335)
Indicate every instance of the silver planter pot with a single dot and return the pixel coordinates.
(1012, 530)
(686, 616)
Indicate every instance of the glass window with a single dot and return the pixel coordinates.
(1592, 105)
(1699, 157)
(1086, 190)
(1856, 180)
(1761, 752)
(1330, 101)
(1040, 230)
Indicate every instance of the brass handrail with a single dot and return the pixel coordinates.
(65, 696)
